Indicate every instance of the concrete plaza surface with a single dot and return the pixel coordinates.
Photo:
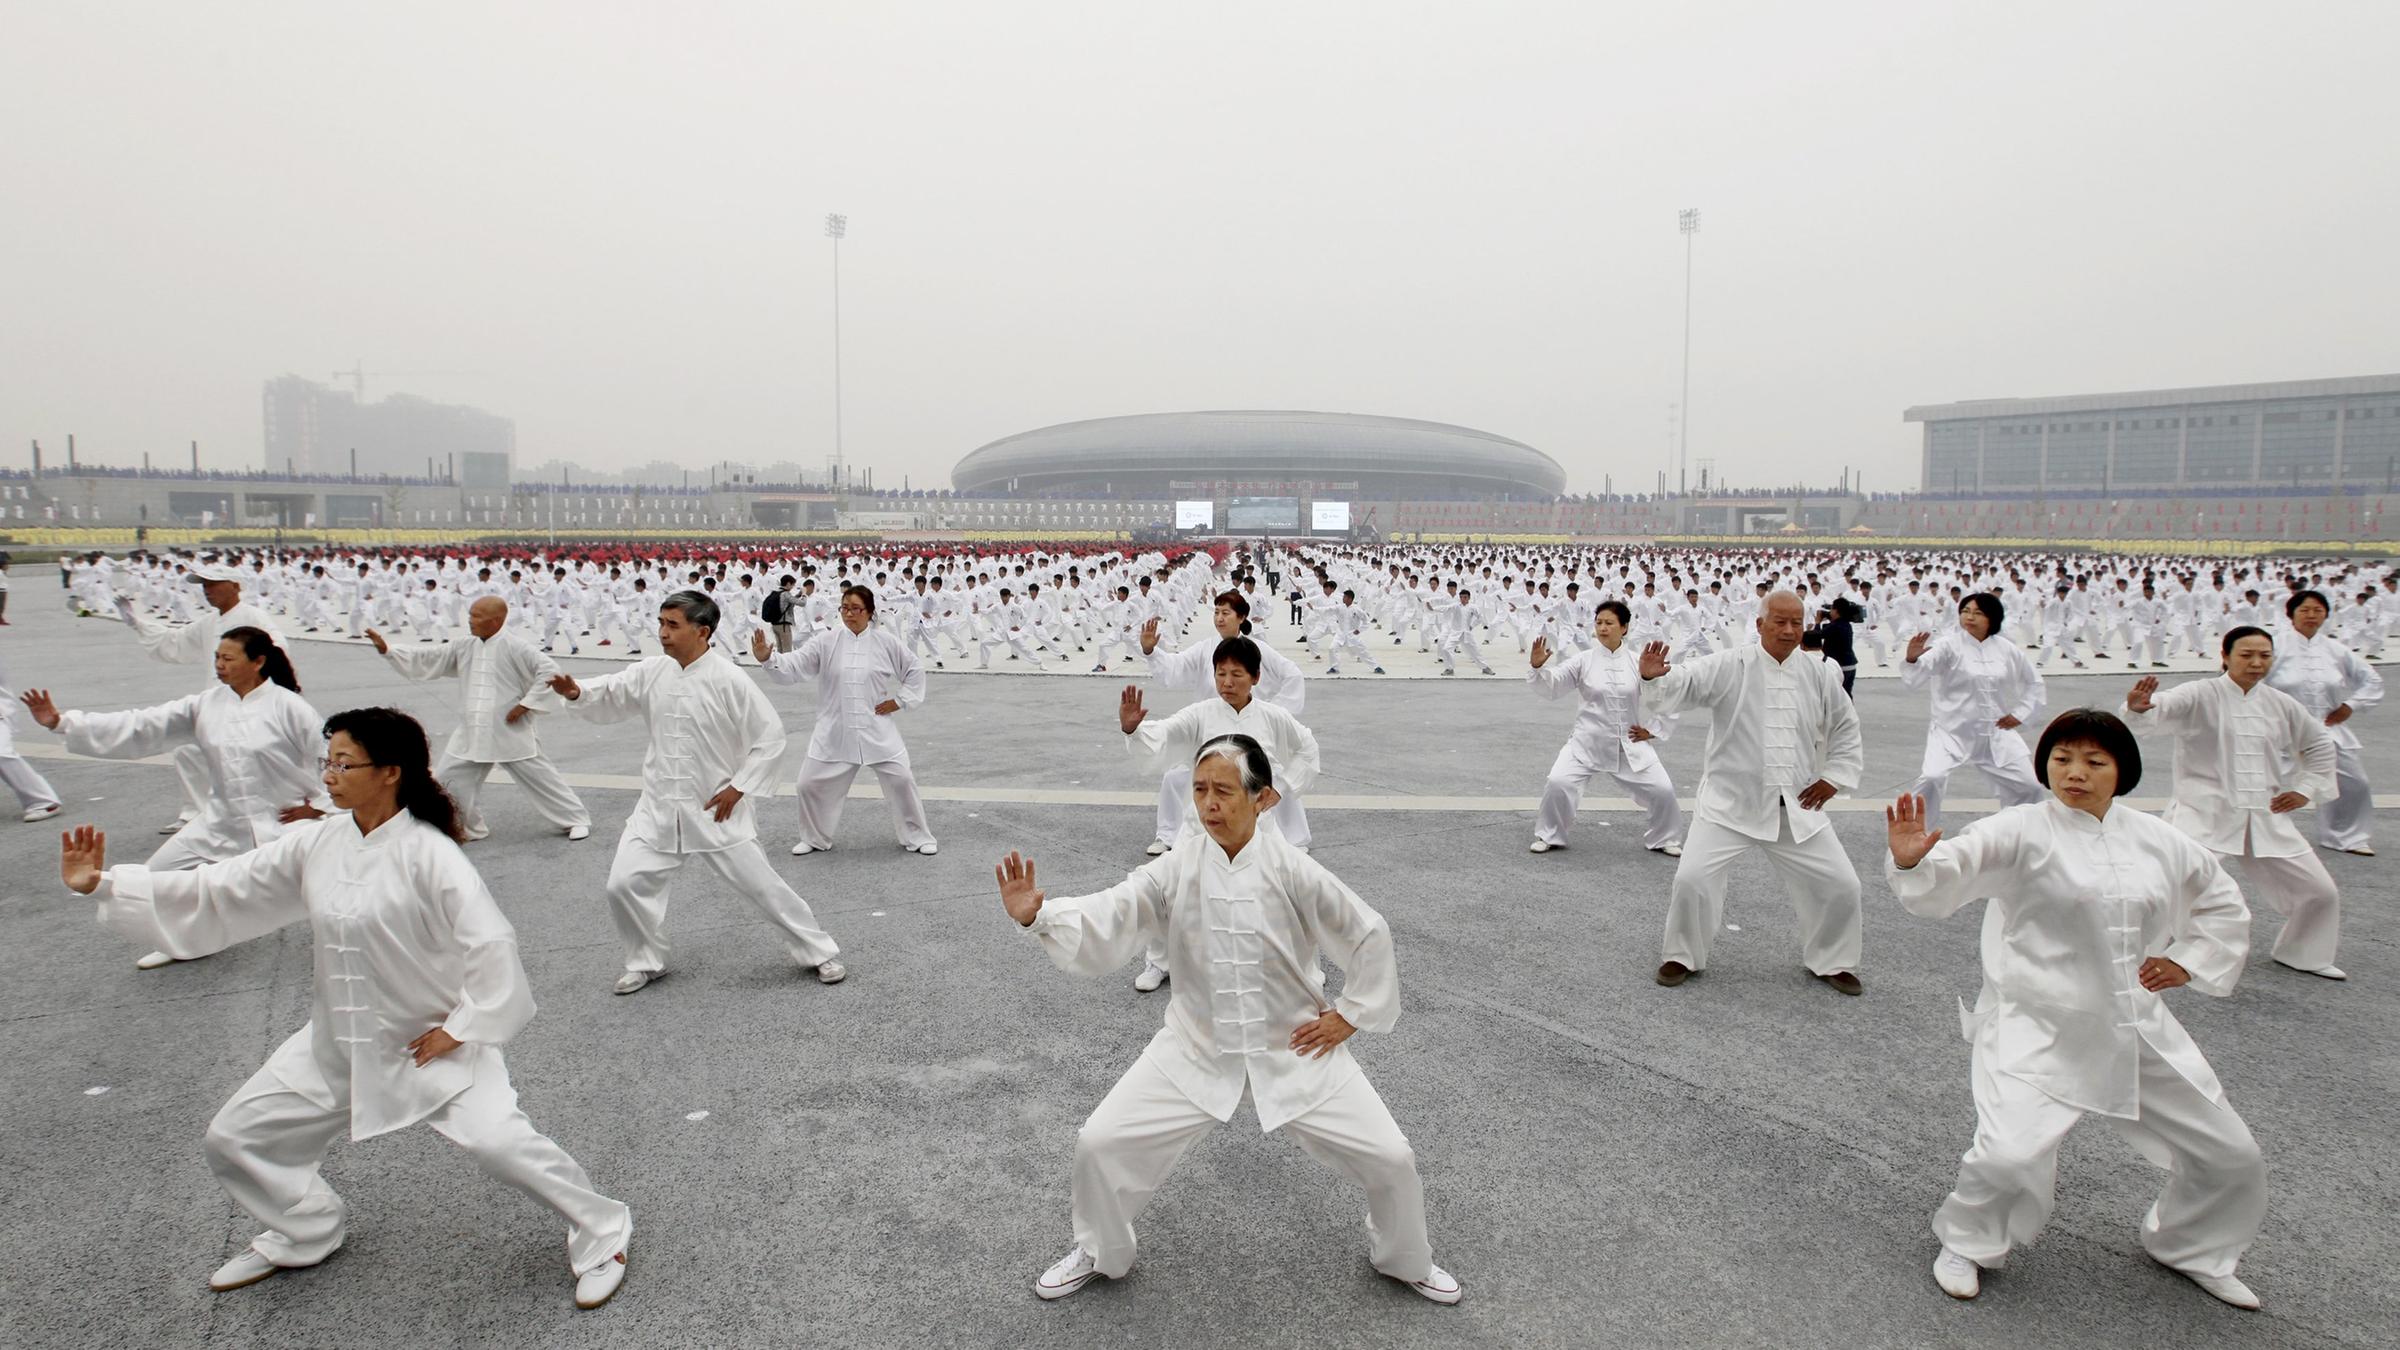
(1749, 1159)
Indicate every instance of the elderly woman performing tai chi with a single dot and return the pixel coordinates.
(864, 675)
(2094, 911)
(417, 985)
(1609, 735)
(1243, 916)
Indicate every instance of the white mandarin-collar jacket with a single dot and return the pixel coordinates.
(710, 726)
(854, 672)
(1242, 937)
(2075, 906)
(1194, 670)
(1975, 684)
(262, 751)
(1774, 728)
(2322, 675)
(407, 939)
(1291, 747)
(1610, 687)
(495, 674)
(2233, 753)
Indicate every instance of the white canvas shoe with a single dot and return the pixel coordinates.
(42, 812)
(2225, 1289)
(246, 1268)
(634, 981)
(2321, 972)
(1073, 1272)
(1671, 850)
(929, 848)
(153, 961)
(1158, 847)
(1153, 975)
(1541, 846)
(1958, 1276)
(1441, 1286)
(832, 972)
(478, 831)
(599, 1286)
(579, 832)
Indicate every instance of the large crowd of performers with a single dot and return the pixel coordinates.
(2095, 910)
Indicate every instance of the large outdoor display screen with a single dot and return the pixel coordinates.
(1199, 515)
(1263, 513)
(1329, 517)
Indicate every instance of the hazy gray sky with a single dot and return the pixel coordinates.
(609, 217)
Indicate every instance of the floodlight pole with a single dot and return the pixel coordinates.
(836, 226)
(1688, 221)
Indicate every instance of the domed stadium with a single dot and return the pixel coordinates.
(1162, 455)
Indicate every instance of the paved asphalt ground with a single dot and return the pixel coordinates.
(1750, 1159)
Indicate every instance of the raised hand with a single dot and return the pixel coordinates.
(82, 856)
(375, 639)
(1904, 829)
(37, 702)
(565, 687)
(2138, 698)
(1917, 646)
(760, 649)
(1149, 637)
(1018, 893)
(1654, 660)
(1541, 652)
(1130, 711)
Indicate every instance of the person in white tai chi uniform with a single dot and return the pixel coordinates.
(34, 792)
(2334, 684)
(505, 681)
(2247, 755)
(1609, 737)
(1782, 740)
(1244, 917)
(864, 675)
(1984, 688)
(2093, 910)
(418, 984)
(192, 644)
(1194, 670)
(258, 742)
(714, 744)
(1237, 707)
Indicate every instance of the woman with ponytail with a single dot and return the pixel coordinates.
(258, 735)
(417, 986)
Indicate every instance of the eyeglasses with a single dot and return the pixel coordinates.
(334, 766)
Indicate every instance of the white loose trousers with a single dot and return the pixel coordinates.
(1649, 787)
(1145, 1125)
(2302, 891)
(825, 783)
(637, 899)
(268, 1144)
(2347, 822)
(557, 803)
(2205, 1217)
(1815, 873)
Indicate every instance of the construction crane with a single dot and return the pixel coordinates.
(357, 376)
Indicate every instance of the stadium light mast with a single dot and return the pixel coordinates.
(1688, 221)
(837, 226)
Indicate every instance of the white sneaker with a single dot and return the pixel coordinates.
(1158, 848)
(42, 812)
(1671, 850)
(2362, 850)
(579, 832)
(928, 848)
(1441, 1286)
(1958, 1276)
(478, 831)
(2321, 972)
(1541, 846)
(832, 972)
(633, 981)
(1153, 975)
(804, 848)
(2225, 1289)
(153, 961)
(246, 1268)
(1073, 1272)
(600, 1285)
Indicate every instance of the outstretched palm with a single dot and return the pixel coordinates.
(1904, 829)
(1654, 660)
(2138, 699)
(1017, 890)
(1130, 711)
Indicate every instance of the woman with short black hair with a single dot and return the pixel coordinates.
(2096, 910)
(2334, 684)
(1984, 688)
